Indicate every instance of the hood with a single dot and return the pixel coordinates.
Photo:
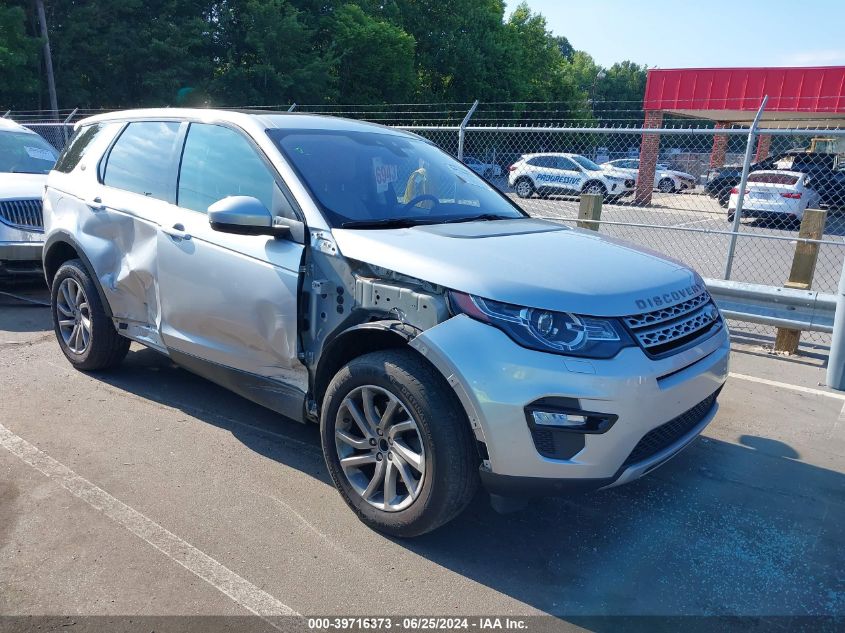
(613, 172)
(527, 262)
(17, 186)
(678, 174)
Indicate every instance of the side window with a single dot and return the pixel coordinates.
(543, 161)
(75, 149)
(565, 163)
(140, 159)
(219, 162)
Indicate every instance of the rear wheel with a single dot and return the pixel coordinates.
(85, 332)
(397, 443)
(524, 188)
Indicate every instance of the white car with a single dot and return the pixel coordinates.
(568, 174)
(777, 194)
(483, 169)
(25, 161)
(665, 180)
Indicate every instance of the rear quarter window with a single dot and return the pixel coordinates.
(76, 148)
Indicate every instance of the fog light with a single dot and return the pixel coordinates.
(553, 418)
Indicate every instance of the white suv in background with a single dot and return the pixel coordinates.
(566, 174)
(25, 161)
(665, 180)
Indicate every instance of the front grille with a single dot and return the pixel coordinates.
(22, 214)
(667, 434)
(667, 329)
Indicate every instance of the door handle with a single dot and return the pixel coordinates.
(96, 204)
(177, 232)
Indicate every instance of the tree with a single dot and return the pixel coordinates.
(266, 55)
(457, 46)
(127, 53)
(375, 59)
(534, 67)
(619, 94)
(19, 60)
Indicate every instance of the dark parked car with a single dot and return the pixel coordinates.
(825, 171)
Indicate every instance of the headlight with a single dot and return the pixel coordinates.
(545, 330)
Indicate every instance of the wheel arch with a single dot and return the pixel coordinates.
(61, 247)
(593, 181)
(356, 341)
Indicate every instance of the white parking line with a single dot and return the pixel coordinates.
(786, 385)
(214, 573)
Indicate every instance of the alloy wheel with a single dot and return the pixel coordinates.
(380, 448)
(74, 316)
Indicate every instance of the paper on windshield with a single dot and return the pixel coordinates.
(39, 153)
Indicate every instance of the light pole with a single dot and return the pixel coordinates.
(48, 58)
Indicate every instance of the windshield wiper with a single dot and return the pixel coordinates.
(384, 223)
(480, 217)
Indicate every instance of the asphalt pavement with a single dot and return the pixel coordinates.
(150, 491)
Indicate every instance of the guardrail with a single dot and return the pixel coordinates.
(806, 310)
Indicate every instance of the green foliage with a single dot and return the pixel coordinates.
(266, 55)
(19, 60)
(129, 53)
(375, 58)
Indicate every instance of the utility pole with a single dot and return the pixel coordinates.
(48, 58)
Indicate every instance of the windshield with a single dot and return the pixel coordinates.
(372, 177)
(586, 163)
(24, 153)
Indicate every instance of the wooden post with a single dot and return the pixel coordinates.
(589, 209)
(803, 268)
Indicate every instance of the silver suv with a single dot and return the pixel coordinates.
(357, 276)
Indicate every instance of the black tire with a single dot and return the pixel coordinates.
(527, 188)
(451, 461)
(666, 186)
(594, 187)
(106, 348)
(724, 197)
(730, 216)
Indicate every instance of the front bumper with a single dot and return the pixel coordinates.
(496, 379)
(20, 258)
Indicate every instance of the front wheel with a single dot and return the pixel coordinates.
(666, 186)
(596, 188)
(397, 443)
(85, 332)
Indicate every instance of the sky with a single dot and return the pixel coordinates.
(683, 34)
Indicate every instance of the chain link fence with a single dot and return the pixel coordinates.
(683, 210)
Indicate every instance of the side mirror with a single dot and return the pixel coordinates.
(244, 215)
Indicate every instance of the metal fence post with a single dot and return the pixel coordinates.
(746, 165)
(836, 359)
(462, 130)
(66, 122)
